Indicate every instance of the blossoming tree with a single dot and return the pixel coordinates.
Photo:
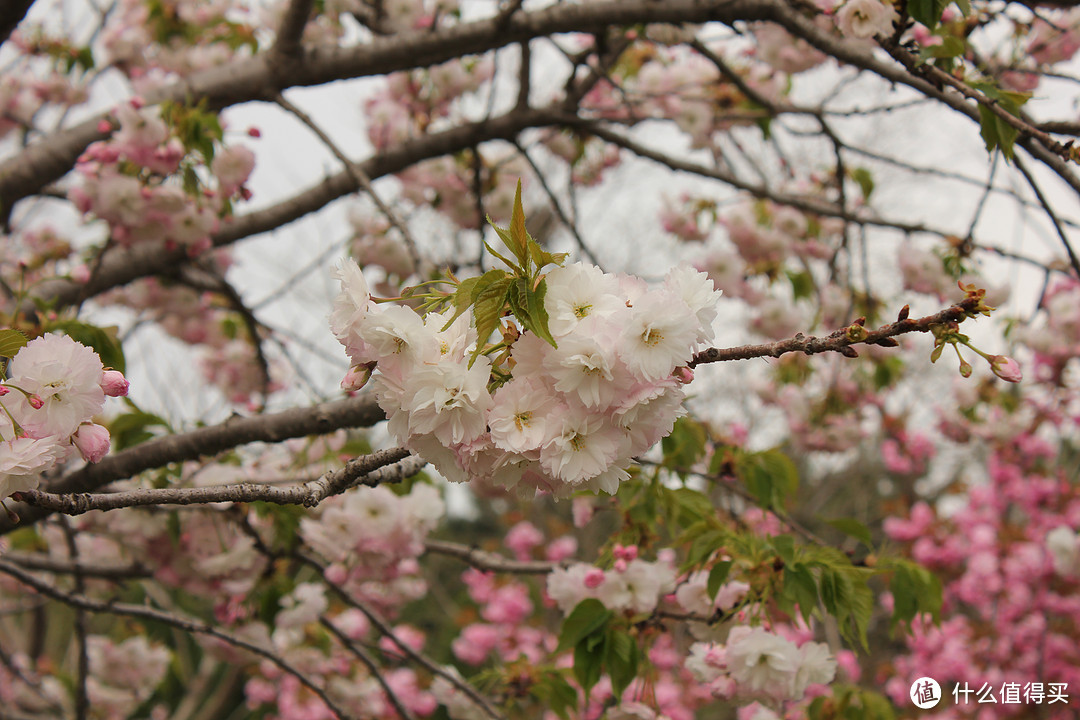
(639, 405)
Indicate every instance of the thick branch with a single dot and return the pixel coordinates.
(320, 419)
(259, 77)
(293, 22)
(839, 341)
(124, 265)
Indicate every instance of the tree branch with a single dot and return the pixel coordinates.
(147, 613)
(256, 78)
(360, 471)
(839, 341)
(47, 563)
(483, 560)
(361, 411)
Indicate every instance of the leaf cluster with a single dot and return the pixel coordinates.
(518, 291)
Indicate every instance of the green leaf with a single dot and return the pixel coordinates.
(784, 545)
(462, 298)
(802, 284)
(865, 180)
(519, 237)
(621, 660)
(854, 528)
(488, 309)
(965, 7)
(505, 260)
(770, 476)
(534, 300)
(717, 577)
(131, 428)
(528, 307)
(11, 342)
(542, 257)
(588, 617)
(928, 12)
(555, 693)
(915, 590)
(949, 47)
(800, 588)
(994, 130)
(588, 664)
(102, 340)
(685, 445)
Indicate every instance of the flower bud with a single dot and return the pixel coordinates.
(114, 383)
(92, 441)
(856, 333)
(683, 375)
(35, 402)
(357, 377)
(1006, 368)
(965, 368)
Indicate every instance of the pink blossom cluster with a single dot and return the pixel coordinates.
(55, 387)
(1056, 38)
(372, 537)
(589, 158)
(124, 183)
(780, 49)
(412, 103)
(22, 95)
(1008, 559)
(227, 359)
(151, 41)
(505, 630)
(122, 676)
(445, 185)
(570, 417)
(1055, 344)
(684, 87)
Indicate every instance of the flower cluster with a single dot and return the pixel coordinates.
(557, 416)
(54, 389)
(372, 538)
(124, 177)
(631, 585)
(755, 663)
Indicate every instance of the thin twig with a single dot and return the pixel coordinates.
(483, 560)
(839, 341)
(360, 177)
(152, 614)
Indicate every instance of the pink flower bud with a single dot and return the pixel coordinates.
(80, 274)
(114, 383)
(92, 441)
(684, 375)
(965, 368)
(35, 402)
(594, 578)
(1006, 368)
(4, 390)
(356, 378)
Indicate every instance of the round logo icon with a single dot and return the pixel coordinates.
(925, 693)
